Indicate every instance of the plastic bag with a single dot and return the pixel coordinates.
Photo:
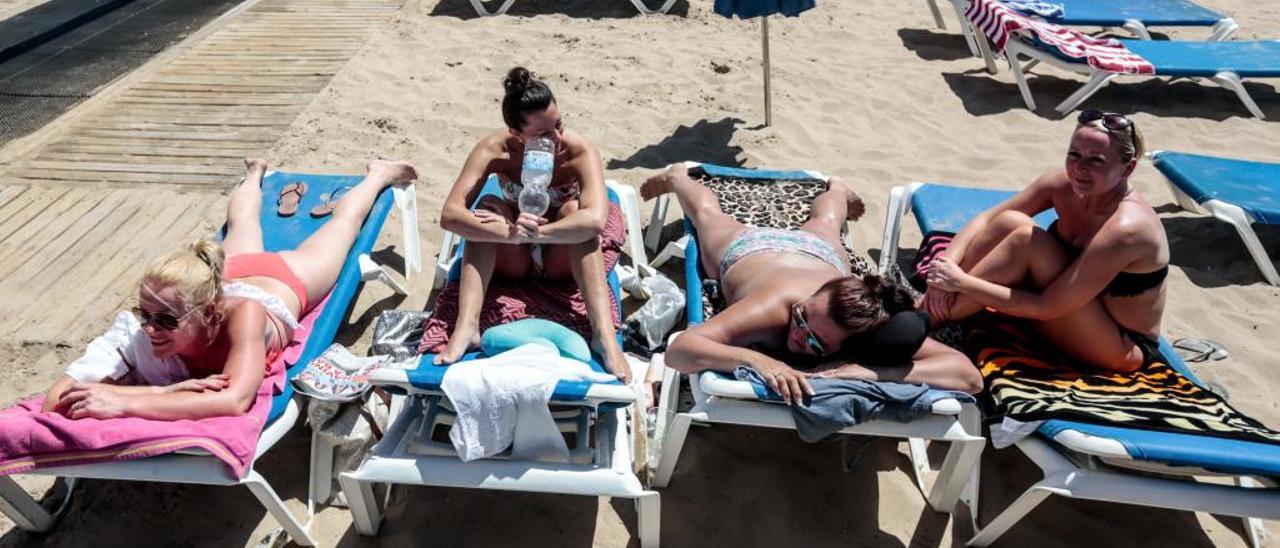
(654, 320)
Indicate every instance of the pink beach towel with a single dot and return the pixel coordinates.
(997, 21)
(510, 300)
(31, 439)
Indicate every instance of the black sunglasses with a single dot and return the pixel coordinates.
(1113, 121)
(797, 314)
(163, 320)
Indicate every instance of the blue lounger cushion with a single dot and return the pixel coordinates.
(1253, 186)
(428, 376)
(1110, 13)
(283, 233)
(1251, 59)
(947, 208)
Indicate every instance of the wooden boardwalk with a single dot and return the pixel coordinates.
(146, 169)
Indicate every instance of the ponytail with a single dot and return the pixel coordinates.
(195, 274)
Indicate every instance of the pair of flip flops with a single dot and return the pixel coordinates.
(1199, 350)
(292, 193)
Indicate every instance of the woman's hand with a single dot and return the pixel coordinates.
(841, 371)
(946, 275)
(528, 226)
(792, 385)
(94, 401)
(212, 383)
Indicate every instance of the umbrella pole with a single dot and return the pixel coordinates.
(768, 99)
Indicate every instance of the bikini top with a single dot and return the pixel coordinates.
(1125, 284)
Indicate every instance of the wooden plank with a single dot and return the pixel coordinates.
(119, 155)
(234, 101)
(84, 221)
(228, 87)
(265, 137)
(29, 240)
(85, 176)
(181, 125)
(10, 194)
(24, 211)
(192, 144)
(222, 168)
(203, 96)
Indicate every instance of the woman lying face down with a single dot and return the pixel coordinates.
(794, 309)
(211, 319)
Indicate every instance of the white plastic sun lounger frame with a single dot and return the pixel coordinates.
(609, 474)
(1221, 31)
(1099, 471)
(628, 202)
(1233, 215)
(506, 4)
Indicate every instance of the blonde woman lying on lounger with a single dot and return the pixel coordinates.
(199, 341)
(499, 236)
(1094, 281)
(791, 299)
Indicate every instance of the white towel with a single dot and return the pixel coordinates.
(502, 402)
(406, 198)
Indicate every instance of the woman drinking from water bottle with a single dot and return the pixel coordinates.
(517, 236)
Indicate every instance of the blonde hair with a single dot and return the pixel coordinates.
(194, 273)
(1132, 144)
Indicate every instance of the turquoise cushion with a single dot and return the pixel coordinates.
(500, 338)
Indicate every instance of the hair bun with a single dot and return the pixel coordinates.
(893, 297)
(517, 81)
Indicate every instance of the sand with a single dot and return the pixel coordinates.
(867, 89)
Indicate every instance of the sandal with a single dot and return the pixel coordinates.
(1198, 350)
(290, 196)
(328, 202)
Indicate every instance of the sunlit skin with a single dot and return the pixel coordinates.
(758, 328)
(498, 235)
(224, 344)
(1004, 261)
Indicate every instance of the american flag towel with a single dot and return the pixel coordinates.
(997, 20)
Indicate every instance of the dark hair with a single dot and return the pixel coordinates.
(524, 94)
(863, 304)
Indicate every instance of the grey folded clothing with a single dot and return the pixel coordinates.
(841, 403)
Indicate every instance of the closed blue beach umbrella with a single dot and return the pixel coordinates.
(746, 9)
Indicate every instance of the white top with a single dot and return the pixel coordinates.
(274, 304)
(124, 354)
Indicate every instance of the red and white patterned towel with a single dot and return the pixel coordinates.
(996, 21)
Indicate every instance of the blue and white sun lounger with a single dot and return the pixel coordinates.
(1096, 462)
(1226, 63)
(1238, 192)
(719, 398)
(597, 415)
(197, 467)
(1135, 16)
(506, 4)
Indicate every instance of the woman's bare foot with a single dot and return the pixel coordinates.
(663, 182)
(254, 167)
(614, 360)
(854, 202)
(392, 172)
(463, 338)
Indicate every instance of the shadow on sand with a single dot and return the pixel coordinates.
(704, 141)
(1212, 254)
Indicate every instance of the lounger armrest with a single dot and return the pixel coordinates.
(595, 394)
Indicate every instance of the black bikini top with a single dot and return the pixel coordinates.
(1125, 284)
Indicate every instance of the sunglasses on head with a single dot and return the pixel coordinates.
(797, 314)
(1111, 120)
(162, 320)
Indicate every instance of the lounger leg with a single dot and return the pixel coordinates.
(656, 220)
(899, 199)
(629, 201)
(674, 250)
(321, 469)
(1231, 81)
(1237, 218)
(645, 9)
(486, 13)
(957, 469)
(970, 36)
(671, 447)
(1019, 76)
(649, 519)
(937, 14)
(371, 271)
(22, 509)
(1136, 28)
(267, 496)
(1011, 515)
(1096, 82)
(1223, 30)
(365, 511)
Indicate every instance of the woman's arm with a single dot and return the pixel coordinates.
(1109, 253)
(246, 364)
(593, 206)
(719, 344)
(934, 364)
(1032, 200)
(457, 216)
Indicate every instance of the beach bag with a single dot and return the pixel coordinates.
(338, 375)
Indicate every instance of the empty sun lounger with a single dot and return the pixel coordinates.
(1226, 63)
(596, 414)
(719, 398)
(1238, 192)
(1099, 462)
(1135, 16)
(201, 468)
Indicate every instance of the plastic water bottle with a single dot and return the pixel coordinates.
(535, 176)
